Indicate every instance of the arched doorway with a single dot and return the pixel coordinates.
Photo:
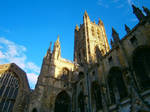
(116, 84)
(34, 110)
(81, 102)
(62, 102)
(96, 96)
(141, 66)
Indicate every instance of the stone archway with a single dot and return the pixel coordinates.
(62, 102)
(34, 110)
(116, 84)
(141, 66)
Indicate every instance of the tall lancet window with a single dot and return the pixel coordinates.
(9, 85)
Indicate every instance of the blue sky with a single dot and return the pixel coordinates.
(28, 26)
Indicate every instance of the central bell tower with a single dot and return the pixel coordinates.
(89, 38)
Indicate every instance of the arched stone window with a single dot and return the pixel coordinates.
(96, 96)
(98, 53)
(62, 102)
(141, 66)
(116, 84)
(65, 71)
(65, 74)
(81, 75)
(9, 85)
(81, 101)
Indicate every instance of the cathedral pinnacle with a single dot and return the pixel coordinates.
(85, 13)
(146, 10)
(127, 28)
(94, 22)
(115, 35)
(138, 13)
(57, 41)
(56, 49)
(111, 42)
(77, 28)
(49, 49)
(100, 22)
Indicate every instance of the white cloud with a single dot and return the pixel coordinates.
(103, 4)
(112, 3)
(32, 77)
(33, 67)
(2, 56)
(120, 6)
(11, 52)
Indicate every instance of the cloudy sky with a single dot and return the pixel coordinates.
(28, 26)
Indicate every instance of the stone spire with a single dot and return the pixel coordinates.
(94, 21)
(112, 43)
(127, 29)
(100, 22)
(56, 50)
(146, 10)
(138, 13)
(86, 17)
(77, 28)
(86, 14)
(115, 35)
(49, 50)
(57, 41)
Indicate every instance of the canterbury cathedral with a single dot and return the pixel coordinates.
(99, 79)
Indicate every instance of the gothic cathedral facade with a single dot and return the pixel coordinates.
(100, 79)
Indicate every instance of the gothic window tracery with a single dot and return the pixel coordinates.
(141, 66)
(9, 85)
(65, 74)
(116, 84)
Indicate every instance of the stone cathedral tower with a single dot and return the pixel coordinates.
(89, 38)
(99, 79)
